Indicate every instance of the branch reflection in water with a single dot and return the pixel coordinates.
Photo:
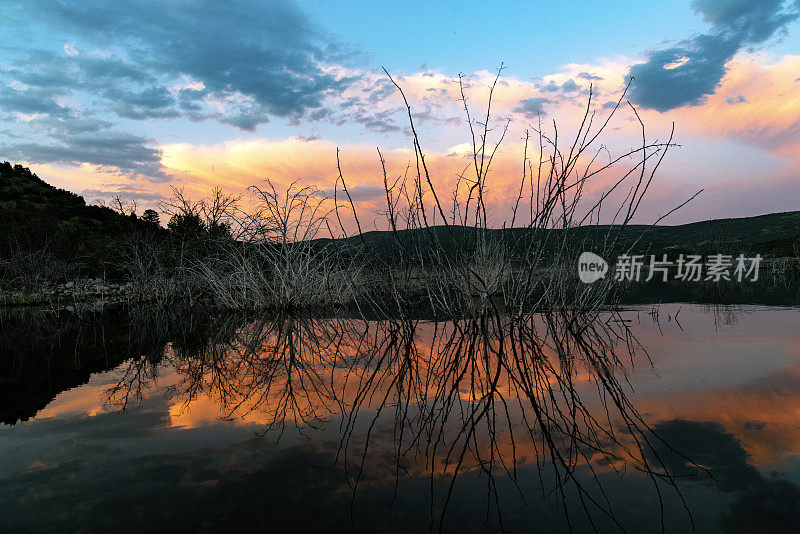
(488, 394)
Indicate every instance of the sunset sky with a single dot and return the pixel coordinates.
(130, 98)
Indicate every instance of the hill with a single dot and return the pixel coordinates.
(46, 232)
(776, 234)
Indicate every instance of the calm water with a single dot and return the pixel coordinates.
(136, 422)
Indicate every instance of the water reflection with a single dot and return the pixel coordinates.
(487, 423)
(489, 394)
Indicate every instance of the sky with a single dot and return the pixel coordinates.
(134, 98)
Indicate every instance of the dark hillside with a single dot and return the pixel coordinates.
(776, 234)
(55, 232)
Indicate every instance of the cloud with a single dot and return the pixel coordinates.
(107, 149)
(266, 52)
(752, 22)
(531, 107)
(566, 87)
(755, 102)
(689, 71)
(150, 103)
(551, 87)
(123, 191)
(569, 86)
(60, 134)
(237, 64)
(31, 100)
(359, 192)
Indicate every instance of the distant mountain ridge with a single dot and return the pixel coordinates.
(775, 234)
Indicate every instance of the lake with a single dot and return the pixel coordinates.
(672, 416)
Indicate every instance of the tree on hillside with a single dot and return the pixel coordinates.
(186, 226)
(151, 216)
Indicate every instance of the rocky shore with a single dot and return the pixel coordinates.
(85, 291)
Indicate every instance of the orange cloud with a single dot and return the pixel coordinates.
(755, 102)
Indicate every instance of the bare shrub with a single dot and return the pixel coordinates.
(527, 261)
(280, 259)
(284, 253)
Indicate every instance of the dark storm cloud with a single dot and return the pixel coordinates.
(753, 22)
(55, 71)
(265, 52)
(31, 100)
(150, 103)
(245, 120)
(191, 99)
(66, 135)
(691, 69)
(233, 62)
(663, 83)
(531, 107)
(109, 148)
